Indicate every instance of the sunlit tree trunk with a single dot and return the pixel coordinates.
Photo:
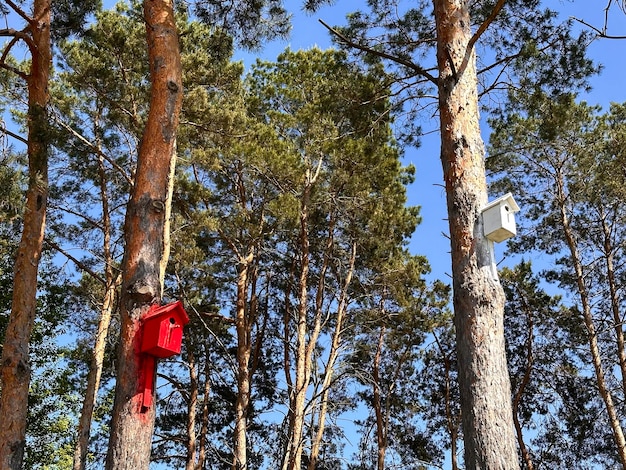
(592, 335)
(112, 280)
(244, 347)
(478, 296)
(333, 354)
(146, 238)
(15, 368)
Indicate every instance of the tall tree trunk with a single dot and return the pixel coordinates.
(192, 406)
(592, 335)
(517, 397)
(242, 403)
(297, 399)
(618, 323)
(329, 370)
(304, 348)
(95, 373)
(15, 363)
(381, 421)
(97, 356)
(146, 238)
(478, 296)
(204, 428)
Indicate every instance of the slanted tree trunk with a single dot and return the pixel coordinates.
(333, 354)
(97, 356)
(618, 324)
(146, 238)
(478, 296)
(592, 335)
(15, 365)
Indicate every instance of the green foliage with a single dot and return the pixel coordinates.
(250, 23)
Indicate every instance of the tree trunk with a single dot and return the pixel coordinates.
(297, 399)
(329, 370)
(478, 296)
(108, 305)
(592, 336)
(192, 406)
(146, 238)
(381, 421)
(15, 352)
(242, 403)
(517, 397)
(618, 324)
(95, 372)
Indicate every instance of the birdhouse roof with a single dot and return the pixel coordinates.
(173, 308)
(506, 199)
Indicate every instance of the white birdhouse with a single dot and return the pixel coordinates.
(499, 218)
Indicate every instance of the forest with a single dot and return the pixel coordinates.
(267, 205)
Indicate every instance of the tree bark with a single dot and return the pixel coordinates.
(108, 304)
(15, 365)
(333, 354)
(618, 327)
(478, 296)
(192, 406)
(381, 421)
(244, 346)
(592, 335)
(146, 238)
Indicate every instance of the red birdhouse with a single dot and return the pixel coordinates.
(163, 330)
(162, 337)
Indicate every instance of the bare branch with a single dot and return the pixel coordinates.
(601, 33)
(16, 36)
(93, 148)
(82, 266)
(483, 27)
(4, 130)
(20, 12)
(419, 70)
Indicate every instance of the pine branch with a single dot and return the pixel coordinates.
(600, 32)
(82, 266)
(4, 130)
(419, 70)
(20, 12)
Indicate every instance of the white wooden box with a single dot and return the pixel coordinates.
(499, 218)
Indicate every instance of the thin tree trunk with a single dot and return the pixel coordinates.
(204, 428)
(615, 303)
(478, 296)
(381, 422)
(192, 406)
(297, 400)
(583, 293)
(95, 373)
(333, 354)
(517, 398)
(108, 304)
(242, 403)
(15, 362)
(146, 239)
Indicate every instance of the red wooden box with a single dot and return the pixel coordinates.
(163, 329)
